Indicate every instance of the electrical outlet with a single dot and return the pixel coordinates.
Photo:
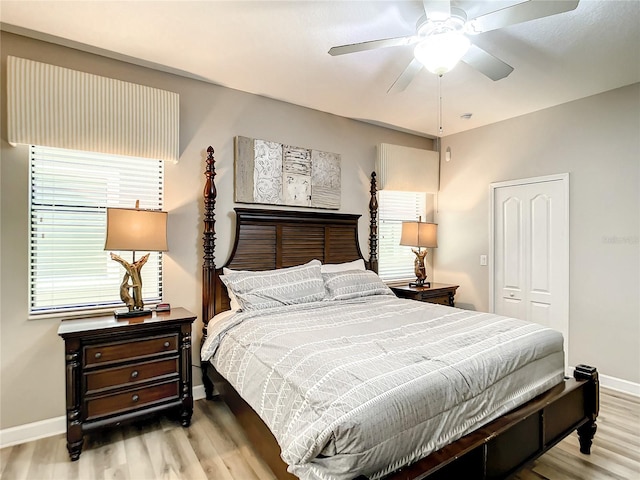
(483, 260)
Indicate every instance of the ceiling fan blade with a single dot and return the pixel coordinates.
(521, 12)
(372, 45)
(405, 78)
(437, 9)
(486, 63)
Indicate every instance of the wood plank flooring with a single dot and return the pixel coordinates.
(215, 448)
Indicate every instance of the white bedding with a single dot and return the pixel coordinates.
(367, 385)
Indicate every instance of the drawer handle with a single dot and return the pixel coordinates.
(134, 374)
(98, 355)
(135, 398)
(166, 344)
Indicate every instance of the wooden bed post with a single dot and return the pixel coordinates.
(373, 225)
(208, 266)
(592, 406)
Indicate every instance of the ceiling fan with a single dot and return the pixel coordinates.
(443, 37)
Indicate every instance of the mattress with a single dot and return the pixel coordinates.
(365, 386)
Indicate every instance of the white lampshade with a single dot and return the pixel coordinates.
(440, 52)
(419, 234)
(137, 230)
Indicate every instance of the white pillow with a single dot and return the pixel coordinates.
(342, 267)
(273, 288)
(233, 301)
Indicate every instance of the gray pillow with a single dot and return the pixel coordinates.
(353, 284)
(275, 288)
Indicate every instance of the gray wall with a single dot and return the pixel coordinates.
(596, 140)
(32, 360)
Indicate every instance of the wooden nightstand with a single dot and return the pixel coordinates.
(120, 370)
(440, 293)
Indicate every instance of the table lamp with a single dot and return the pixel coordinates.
(134, 229)
(419, 235)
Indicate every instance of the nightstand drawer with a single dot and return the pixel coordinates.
(130, 400)
(438, 299)
(138, 372)
(111, 352)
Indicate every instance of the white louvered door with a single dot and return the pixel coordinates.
(531, 239)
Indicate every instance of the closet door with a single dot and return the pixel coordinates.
(530, 251)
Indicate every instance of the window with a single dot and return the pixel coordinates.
(395, 261)
(69, 269)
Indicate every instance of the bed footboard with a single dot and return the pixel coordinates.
(492, 452)
(510, 442)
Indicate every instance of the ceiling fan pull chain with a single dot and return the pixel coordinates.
(440, 105)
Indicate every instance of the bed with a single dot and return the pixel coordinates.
(274, 239)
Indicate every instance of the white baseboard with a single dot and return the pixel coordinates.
(620, 385)
(33, 431)
(198, 392)
(614, 383)
(51, 426)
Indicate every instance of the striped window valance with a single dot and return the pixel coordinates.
(406, 169)
(58, 107)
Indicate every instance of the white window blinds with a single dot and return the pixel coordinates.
(395, 262)
(70, 190)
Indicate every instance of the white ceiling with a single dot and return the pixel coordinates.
(279, 50)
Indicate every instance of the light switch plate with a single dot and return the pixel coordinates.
(483, 260)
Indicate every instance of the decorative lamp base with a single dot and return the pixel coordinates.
(420, 284)
(123, 313)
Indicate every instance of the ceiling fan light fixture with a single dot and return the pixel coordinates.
(440, 52)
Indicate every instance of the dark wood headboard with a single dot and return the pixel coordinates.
(270, 239)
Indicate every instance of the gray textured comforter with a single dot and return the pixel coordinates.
(368, 385)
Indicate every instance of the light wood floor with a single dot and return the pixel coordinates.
(214, 448)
